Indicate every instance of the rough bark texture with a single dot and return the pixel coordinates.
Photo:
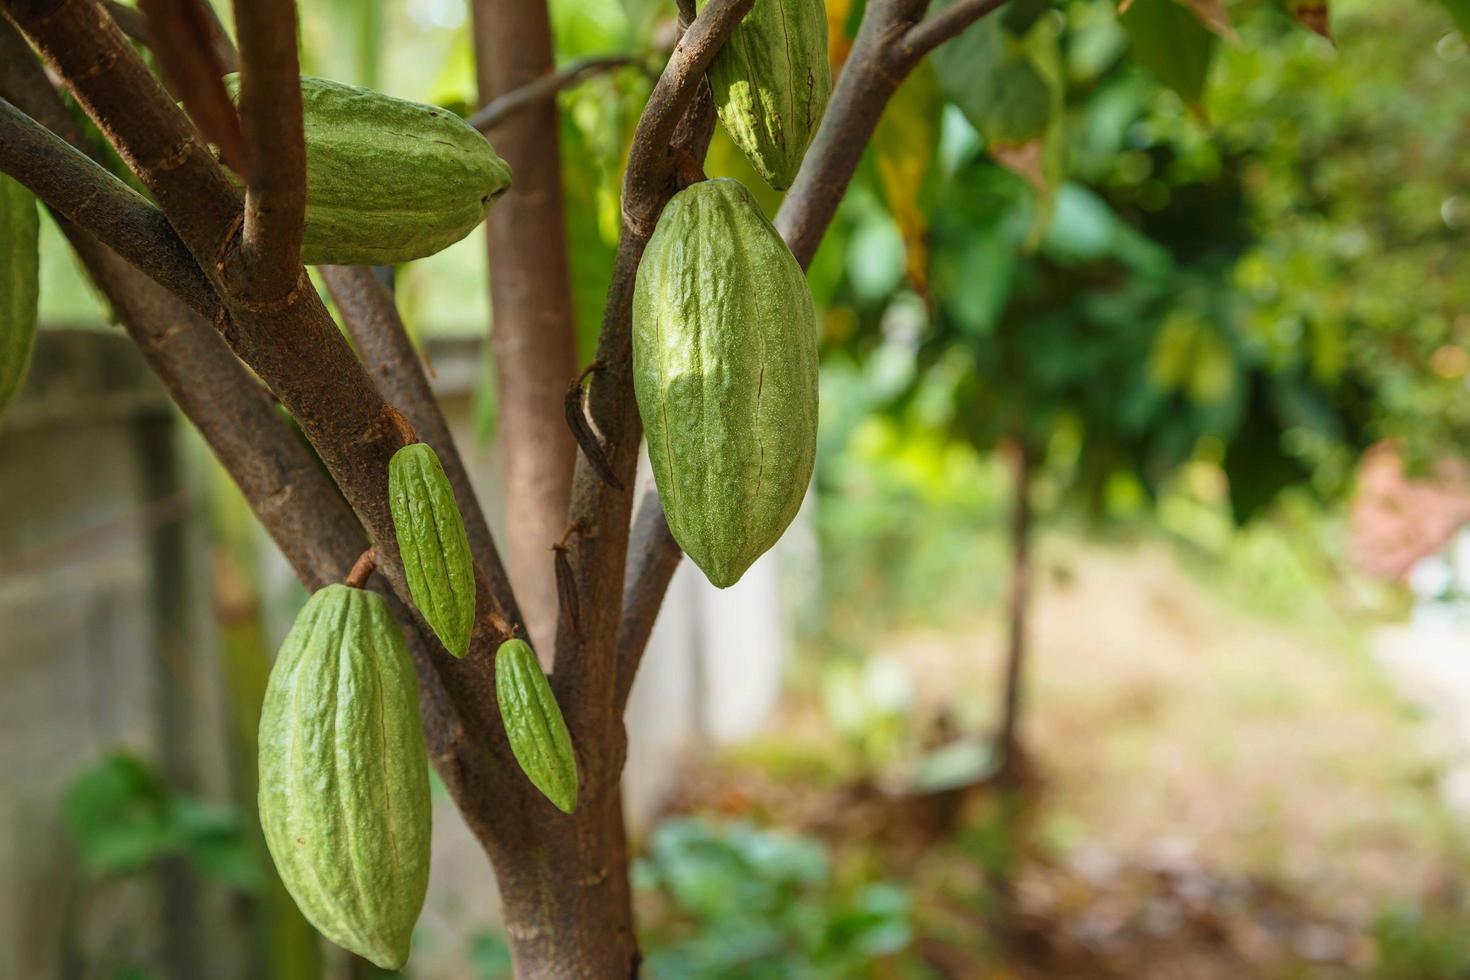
(533, 327)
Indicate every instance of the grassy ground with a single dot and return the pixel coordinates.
(1216, 793)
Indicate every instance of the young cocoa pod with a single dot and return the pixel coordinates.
(770, 84)
(19, 276)
(344, 785)
(433, 545)
(389, 180)
(725, 373)
(533, 724)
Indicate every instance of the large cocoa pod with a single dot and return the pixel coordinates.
(19, 276)
(433, 544)
(389, 180)
(725, 372)
(344, 787)
(533, 724)
(770, 84)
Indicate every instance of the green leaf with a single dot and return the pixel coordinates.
(117, 814)
(1460, 11)
(1171, 42)
(989, 75)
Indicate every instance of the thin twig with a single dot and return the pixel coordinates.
(270, 112)
(587, 438)
(504, 106)
(935, 29)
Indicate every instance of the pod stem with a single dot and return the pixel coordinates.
(401, 425)
(688, 169)
(362, 569)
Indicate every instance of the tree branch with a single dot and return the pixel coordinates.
(533, 323)
(106, 207)
(585, 680)
(934, 30)
(376, 329)
(134, 24)
(874, 70)
(889, 45)
(270, 112)
(653, 555)
(503, 107)
(181, 34)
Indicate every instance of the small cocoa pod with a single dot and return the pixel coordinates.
(770, 83)
(19, 278)
(533, 724)
(433, 545)
(389, 180)
(725, 373)
(344, 784)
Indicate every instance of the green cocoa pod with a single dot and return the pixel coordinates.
(344, 783)
(19, 277)
(770, 84)
(533, 724)
(725, 372)
(389, 180)
(433, 545)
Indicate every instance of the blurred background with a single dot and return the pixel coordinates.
(1124, 633)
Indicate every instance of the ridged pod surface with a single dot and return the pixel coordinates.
(725, 372)
(388, 180)
(344, 787)
(433, 544)
(770, 84)
(19, 279)
(533, 724)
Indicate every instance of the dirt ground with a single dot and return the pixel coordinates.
(1214, 794)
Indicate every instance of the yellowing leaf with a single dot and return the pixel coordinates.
(839, 43)
(903, 149)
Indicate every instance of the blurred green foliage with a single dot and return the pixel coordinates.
(1415, 943)
(754, 904)
(123, 818)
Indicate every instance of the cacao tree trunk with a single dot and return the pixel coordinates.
(1008, 740)
(565, 895)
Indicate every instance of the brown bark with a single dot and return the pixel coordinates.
(275, 184)
(1008, 738)
(533, 327)
(566, 896)
(544, 89)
